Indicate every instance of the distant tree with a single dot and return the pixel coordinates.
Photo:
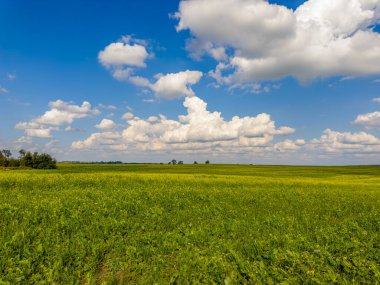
(27, 159)
(13, 162)
(174, 161)
(43, 161)
(169, 162)
(195, 162)
(6, 155)
(22, 152)
(180, 162)
(2, 159)
(207, 162)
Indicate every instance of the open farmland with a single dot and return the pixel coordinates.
(223, 224)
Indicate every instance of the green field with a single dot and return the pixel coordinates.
(188, 224)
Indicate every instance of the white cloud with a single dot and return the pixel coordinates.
(119, 54)
(200, 130)
(199, 48)
(107, 107)
(33, 129)
(168, 86)
(124, 56)
(3, 90)
(175, 85)
(369, 120)
(11, 76)
(289, 145)
(106, 124)
(73, 130)
(101, 139)
(60, 113)
(346, 142)
(23, 140)
(127, 116)
(269, 42)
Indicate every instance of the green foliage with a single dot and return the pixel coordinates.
(27, 159)
(5, 156)
(2, 159)
(209, 224)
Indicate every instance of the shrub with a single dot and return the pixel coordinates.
(27, 159)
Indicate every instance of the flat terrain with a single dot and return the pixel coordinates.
(186, 224)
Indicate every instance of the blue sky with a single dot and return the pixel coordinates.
(298, 80)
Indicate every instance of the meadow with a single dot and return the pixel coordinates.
(190, 224)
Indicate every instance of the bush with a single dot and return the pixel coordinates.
(27, 159)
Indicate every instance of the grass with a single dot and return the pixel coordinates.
(188, 224)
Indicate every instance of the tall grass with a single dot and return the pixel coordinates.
(122, 224)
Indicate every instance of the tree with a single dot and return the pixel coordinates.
(5, 157)
(195, 162)
(13, 162)
(7, 153)
(2, 159)
(174, 161)
(27, 159)
(207, 162)
(180, 162)
(43, 161)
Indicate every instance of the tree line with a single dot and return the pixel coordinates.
(27, 159)
(174, 162)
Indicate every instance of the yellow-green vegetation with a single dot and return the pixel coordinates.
(186, 224)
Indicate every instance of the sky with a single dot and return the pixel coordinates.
(230, 81)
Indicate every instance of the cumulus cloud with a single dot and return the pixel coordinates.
(169, 86)
(346, 142)
(127, 116)
(60, 113)
(369, 120)
(266, 41)
(289, 145)
(198, 48)
(199, 130)
(106, 124)
(123, 57)
(119, 54)
(33, 129)
(175, 85)
(376, 100)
